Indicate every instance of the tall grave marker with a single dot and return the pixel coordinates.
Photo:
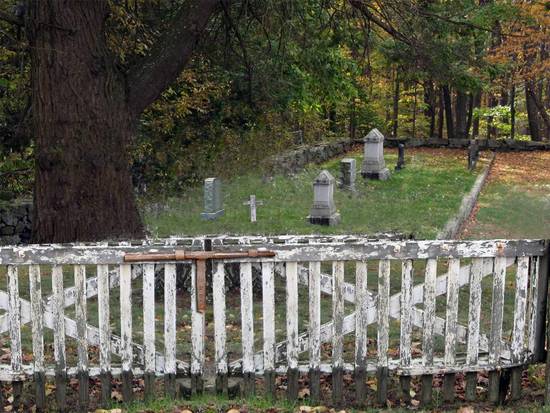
(374, 166)
(212, 199)
(323, 211)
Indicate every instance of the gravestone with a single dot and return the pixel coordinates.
(323, 211)
(347, 174)
(400, 157)
(374, 166)
(253, 203)
(212, 199)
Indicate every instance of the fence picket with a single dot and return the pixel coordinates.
(361, 324)
(406, 326)
(125, 276)
(149, 329)
(104, 332)
(474, 313)
(518, 335)
(170, 330)
(337, 332)
(58, 303)
(534, 271)
(495, 342)
(268, 313)
(197, 337)
(383, 329)
(38, 336)
(314, 330)
(82, 334)
(428, 323)
(451, 327)
(14, 311)
(220, 334)
(247, 328)
(292, 328)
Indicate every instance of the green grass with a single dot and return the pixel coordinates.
(513, 211)
(418, 200)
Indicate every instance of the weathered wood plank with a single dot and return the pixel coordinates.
(170, 330)
(247, 328)
(197, 338)
(59, 337)
(125, 275)
(406, 326)
(314, 330)
(451, 327)
(37, 336)
(361, 324)
(534, 271)
(495, 341)
(337, 332)
(82, 336)
(474, 313)
(268, 313)
(220, 334)
(383, 330)
(518, 332)
(149, 329)
(292, 329)
(361, 249)
(428, 327)
(14, 313)
(104, 332)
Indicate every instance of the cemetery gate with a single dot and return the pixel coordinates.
(306, 307)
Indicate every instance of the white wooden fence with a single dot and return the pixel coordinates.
(455, 306)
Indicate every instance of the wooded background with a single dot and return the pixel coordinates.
(205, 87)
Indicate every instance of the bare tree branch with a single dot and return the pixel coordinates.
(149, 77)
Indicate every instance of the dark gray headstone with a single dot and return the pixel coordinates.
(400, 157)
(212, 199)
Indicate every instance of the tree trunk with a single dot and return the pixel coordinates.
(475, 119)
(461, 115)
(395, 113)
(430, 102)
(83, 187)
(532, 112)
(448, 111)
(470, 114)
(85, 113)
(440, 112)
(491, 129)
(513, 111)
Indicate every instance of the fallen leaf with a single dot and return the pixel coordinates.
(305, 409)
(465, 409)
(303, 393)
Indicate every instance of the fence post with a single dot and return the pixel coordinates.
(542, 331)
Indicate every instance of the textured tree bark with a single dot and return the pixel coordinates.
(461, 115)
(532, 112)
(85, 114)
(448, 112)
(441, 110)
(513, 111)
(430, 103)
(475, 122)
(395, 113)
(82, 125)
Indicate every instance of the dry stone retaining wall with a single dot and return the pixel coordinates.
(15, 222)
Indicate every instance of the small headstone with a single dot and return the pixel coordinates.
(253, 203)
(374, 166)
(212, 199)
(473, 154)
(347, 174)
(400, 157)
(323, 211)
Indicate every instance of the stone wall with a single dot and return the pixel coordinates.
(499, 145)
(295, 160)
(15, 222)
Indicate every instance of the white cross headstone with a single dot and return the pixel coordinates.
(253, 203)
